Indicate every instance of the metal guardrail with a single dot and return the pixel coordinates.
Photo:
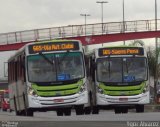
(77, 30)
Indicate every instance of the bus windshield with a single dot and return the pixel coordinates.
(58, 67)
(116, 69)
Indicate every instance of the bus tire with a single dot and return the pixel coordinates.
(95, 110)
(67, 111)
(29, 112)
(87, 110)
(139, 108)
(117, 110)
(23, 113)
(79, 109)
(124, 110)
(59, 112)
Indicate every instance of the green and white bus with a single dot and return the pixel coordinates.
(120, 78)
(48, 75)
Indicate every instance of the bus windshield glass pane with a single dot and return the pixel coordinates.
(70, 66)
(109, 70)
(134, 69)
(121, 69)
(55, 67)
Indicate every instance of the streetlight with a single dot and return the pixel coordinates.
(156, 23)
(156, 48)
(123, 21)
(102, 2)
(85, 15)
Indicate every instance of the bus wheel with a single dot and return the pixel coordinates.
(23, 113)
(139, 108)
(67, 111)
(95, 110)
(87, 110)
(117, 110)
(59, 112)
(79, 109)
(29, 112)
(124, 110)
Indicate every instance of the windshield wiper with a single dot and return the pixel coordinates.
(58, 63)
(41, 54)
(127, 67)
(109, 68)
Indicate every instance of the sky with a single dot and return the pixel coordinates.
(19, 15)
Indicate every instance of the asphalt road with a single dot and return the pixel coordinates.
(104, 119)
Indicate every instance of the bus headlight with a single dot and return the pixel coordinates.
(99, 90)
(83, 88)
(146, 88)
(32, 92)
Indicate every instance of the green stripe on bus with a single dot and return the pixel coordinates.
(55, 93)
(60, 87)
(120, 93)
(122, 90)
(104, 87)
(55, 90)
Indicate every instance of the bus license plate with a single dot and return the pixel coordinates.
(58, 100)
(123, 99)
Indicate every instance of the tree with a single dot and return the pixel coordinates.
(154, 66)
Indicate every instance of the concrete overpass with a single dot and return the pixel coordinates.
(87, 33)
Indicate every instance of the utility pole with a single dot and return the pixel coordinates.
(123, 21)
(102, 2)
(156, 48)
(85, 15)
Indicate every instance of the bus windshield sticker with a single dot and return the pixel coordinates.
(62, 77)
(129, 78)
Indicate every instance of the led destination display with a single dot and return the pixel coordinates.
(121, 51)
(53, 46)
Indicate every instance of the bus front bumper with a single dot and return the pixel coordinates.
(113, 100)
(71, 100)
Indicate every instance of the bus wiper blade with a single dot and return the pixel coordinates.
(41, 54)
(127, 67)
(109, 68)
